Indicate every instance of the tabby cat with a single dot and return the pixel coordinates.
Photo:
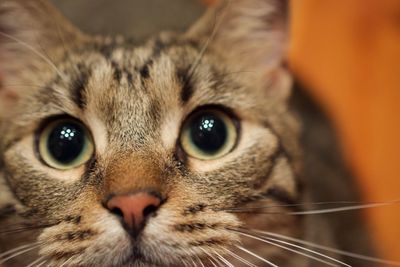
(181, 150)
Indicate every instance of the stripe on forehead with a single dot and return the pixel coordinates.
(78, 85)
(124, 66)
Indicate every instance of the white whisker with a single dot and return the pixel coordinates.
(36, 261)
(240, 258)
(43, 262)
(22, 85)
(257, 256)
(330, 249)
(333, 210)
(66, 262)
(293, 205)
(309, 212)
(308, 250)
(200, 261)
(17, 249)
(184, 262)
(288, 249)
(34, 51)
(219, 262)
(212, 262)
(208, 41)
(224, 260)
(210, 256)
(18, 253)
(193, 262)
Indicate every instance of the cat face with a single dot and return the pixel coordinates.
(143, 154)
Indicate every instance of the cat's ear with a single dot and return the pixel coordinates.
(32, 36)
(251, 35)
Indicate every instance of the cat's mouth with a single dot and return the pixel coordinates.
(137, 259)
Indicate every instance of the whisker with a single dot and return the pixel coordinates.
(193, 262)
(200, 261)
(210, 256)
(288, 249)
(311, 212)
(212, 262)
(330, 249)
(207, 43)
(294, 205)
(43, 262)
(67, 261)
(17, 249)
(340, 209)
(224, 260)
(18, 253)
(60, 33)
(219, 263)
(240, 258)
(185, 263)
(44, 52)
(24, 228)
(34, 51)
(303, 248)
(232, 73)
(36, 261)
(22, 85)
(257, 256)
(308, 250)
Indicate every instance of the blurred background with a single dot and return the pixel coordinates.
(345, 54)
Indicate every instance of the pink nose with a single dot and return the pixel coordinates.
(134, 208)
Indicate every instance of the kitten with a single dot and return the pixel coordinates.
(177, 151)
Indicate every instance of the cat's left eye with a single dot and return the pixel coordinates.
(209, 134)
(65, 144)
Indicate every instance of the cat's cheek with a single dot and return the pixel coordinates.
(7, 198)
(105, 244)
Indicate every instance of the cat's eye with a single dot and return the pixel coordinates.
(65, 144)
(208, 134)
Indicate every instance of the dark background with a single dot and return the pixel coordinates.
(138, 18)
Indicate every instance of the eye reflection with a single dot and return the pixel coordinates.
(67, 133)
(207, 124)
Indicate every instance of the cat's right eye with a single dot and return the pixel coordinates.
(65, 144)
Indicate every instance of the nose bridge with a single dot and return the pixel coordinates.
(133, 174)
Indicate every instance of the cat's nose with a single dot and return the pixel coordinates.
(134, 208)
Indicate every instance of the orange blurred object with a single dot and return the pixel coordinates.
(347, 53)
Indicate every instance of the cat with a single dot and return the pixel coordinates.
(182, 150)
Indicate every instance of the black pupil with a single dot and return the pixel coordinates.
(208, 132)
(66, 142)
